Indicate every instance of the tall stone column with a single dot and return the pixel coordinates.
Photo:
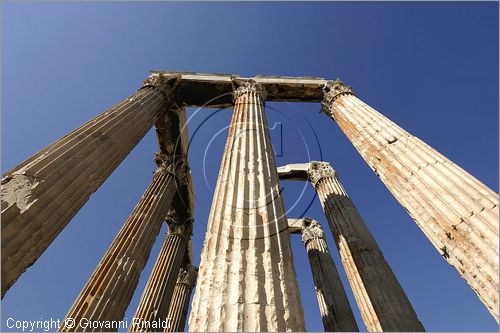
(247, 280)
(155, 300)
(180, 299)
(334, 306)
(107, 293)
(381, 300)
(457, 212)
(42, 194)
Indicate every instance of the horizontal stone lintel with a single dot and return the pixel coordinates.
(297, 171)
(295, 225)
(213, 90)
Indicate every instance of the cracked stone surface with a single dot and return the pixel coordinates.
(456, 212)
(42, 194)
(157, 295)
(247, 279)
(179, 305)
(108, 292)
(334, 307)
(381, 300)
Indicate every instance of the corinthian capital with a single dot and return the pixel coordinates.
(319, 170)
(332, 90)
(242, 87)
(163, 83)
(188, 275)
(313, 231)
(173, 164)
(178, 227)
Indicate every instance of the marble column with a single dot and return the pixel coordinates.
(107, 293)
(457, 212)
(247, 280)
(334, 306)
(155, 300)
(381, 300)
(42, 194)
(179, 304)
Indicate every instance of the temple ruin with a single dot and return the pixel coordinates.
(246, 280)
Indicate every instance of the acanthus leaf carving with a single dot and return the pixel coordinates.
(175, 165)
(177, 227)
(332, 90)
(188, 275)
(164, 83)
(313, 231)
(319, 170)
(242, 87)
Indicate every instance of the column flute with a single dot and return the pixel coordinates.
(381, 300)
(42, 194)
(108, 292)
(247, 280)
(457, 212)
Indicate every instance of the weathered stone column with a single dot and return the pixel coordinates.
(381, 300)
(155, 300)
(42, 194)
(180, 299)
(107, 293)
(457, 212)
(334, 306)
(247, 280)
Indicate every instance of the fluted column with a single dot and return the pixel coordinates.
(457, 212)
(107, 293)
(42, 194)
(381, 300)
(179, 304)
(247, 280)
(155, 300)
(334, 306)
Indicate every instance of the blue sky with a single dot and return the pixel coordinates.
(430, 67)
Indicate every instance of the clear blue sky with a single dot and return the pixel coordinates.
(430, 67)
